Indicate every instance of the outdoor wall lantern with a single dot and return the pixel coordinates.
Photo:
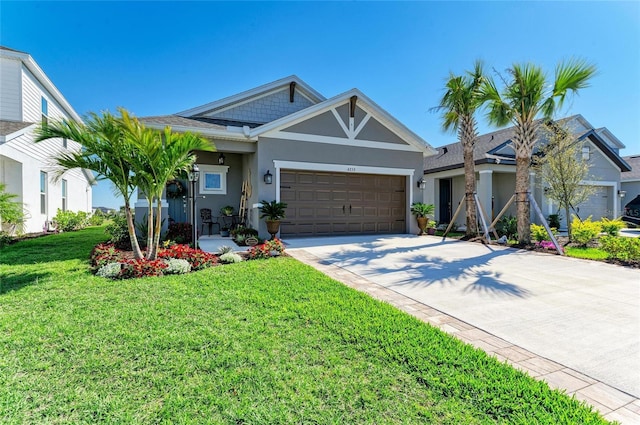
(422, 184)
(194, 176)
(221, 159)
(621, 193)
(268, 177)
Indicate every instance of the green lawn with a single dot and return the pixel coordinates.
(586, 253)
(261, 342)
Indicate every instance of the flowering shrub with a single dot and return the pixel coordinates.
(230, 257)
(142, 268)
(197, 258)
(110, 271)
(266, 249)
(176, 266)
(104, 254)
(546, 245)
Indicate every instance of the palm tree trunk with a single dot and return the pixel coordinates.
(470, 188)
(153, 249)
(522, 199)
(135, 247)
(150, 224)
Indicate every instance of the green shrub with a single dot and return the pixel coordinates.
(508, 226)
(68, 221)
(177, 266)
(230, 257)
(539, 233)
(5, 239)
(224, 250)
(97, 218)
(621, 248)
(11, 211)
(583, 232)
(119, 232)
(554, 220)
(612, 227)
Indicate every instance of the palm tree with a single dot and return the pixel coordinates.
(161, 156)
(525, 97)
(105, 150)
(458, 106)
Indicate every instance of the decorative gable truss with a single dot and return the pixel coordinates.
(348, 119)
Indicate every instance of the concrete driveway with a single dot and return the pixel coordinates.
(582, 314)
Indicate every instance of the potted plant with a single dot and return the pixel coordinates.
(431, 227)
(273, 212)
(224, 232)
(422, 212)
(227, 210)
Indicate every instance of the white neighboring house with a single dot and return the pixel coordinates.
(27, 98)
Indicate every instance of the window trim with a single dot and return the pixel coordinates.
(64, 194)
(43, 192)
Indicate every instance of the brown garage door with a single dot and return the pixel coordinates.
(323, 204)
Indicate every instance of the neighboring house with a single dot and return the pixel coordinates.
(630, 181)
(495, 174)
(343, 165)
(27, 98)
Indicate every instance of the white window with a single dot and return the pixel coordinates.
(43, 192)
(213, 179)
(586, 153)
(64, 195)
(45, 111)
(64, 143)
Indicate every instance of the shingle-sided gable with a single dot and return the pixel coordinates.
(262, 104)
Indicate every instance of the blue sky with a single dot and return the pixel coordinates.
(163, 57)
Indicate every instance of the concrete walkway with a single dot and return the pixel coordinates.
(573, 323)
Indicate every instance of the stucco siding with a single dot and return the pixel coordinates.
(375, 131)
(324, 124)
(10, 90)
(264, 109)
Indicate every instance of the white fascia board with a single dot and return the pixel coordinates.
(345, 168)
(11, 136)
(367, 105)
(343, 141)
(604, 132)
(232, 133)
(32, 66)
(235, 99)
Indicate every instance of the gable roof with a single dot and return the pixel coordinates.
(255, 93)
(9, 127)
(634, 173)
(488, 146)
(364, 102)
(33, 67)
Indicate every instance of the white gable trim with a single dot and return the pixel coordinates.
(365, 104)
(39, 74)
(11, 136)
(257, 92)
(303, 137)
(231, 133)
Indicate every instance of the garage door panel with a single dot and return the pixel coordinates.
(323, 203)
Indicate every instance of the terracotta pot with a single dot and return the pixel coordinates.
(272, 227)
(422, 224)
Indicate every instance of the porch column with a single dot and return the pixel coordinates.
(485, 191)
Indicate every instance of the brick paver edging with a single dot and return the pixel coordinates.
(613, 404)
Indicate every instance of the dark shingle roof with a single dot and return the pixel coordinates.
(634, 163)
(8, 127)
(195, 122)
(453, 156)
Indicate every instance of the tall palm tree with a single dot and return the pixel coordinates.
(458, 105)
(161, 156)
(525, 97)
(105, 150)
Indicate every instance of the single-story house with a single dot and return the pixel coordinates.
(343, 165)
(495, 174)
(27, 98)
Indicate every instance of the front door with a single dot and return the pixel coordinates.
(177, 200)
(444, 209)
